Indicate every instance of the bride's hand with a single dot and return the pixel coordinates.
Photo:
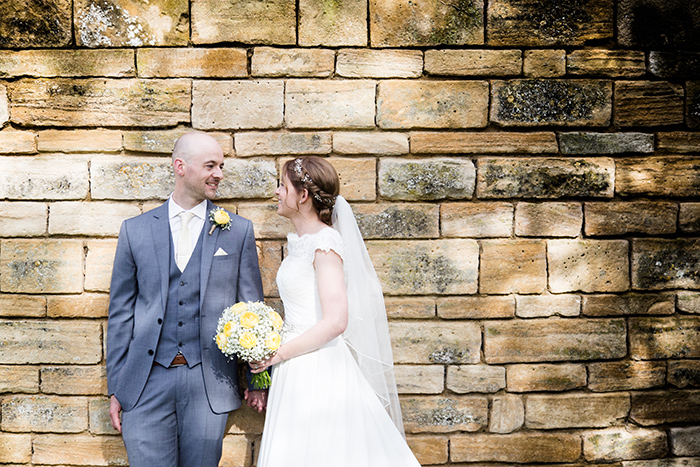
(259, 367)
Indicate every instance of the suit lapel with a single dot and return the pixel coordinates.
(208, 250)
(160, 229)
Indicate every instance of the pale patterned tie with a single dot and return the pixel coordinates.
(184, 242)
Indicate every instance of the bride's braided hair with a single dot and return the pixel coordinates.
(319, 178)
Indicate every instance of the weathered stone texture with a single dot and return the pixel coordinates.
(19, 379)
(541, 102)
(516, 448)
(666, 264)
(45, 182)
(41, 266)
(163, 141)
(513, 266)
(435, 343)
(35, 23)
(115, 63)
(544, 63)
(620, 218)
(269, 144)
(22, 219)
(410, 307)
(330, 104)
(432, 104)
(476, 307)
(657, 176)
(80, 449)
(237, 104)
(678, 142)
(692, 108)
(77, 306)
(373, 63)
(606, 143)
(98, 265)
(476, 220)
(358, 177)
(44, 414)
(545, 178)
(689, 217)
(267, 223)
(624, 444)
(483, 143)
(676, 64)
(684, 373)
(4, 105)
(236, 451)
(658, 24)
(60, 342)
(588, 265)
(548, 219)
(420, 379)
(429, 450)
(15, 447)
(575, 410)
(667, 337)
(689, 302)
(22, 305)
(538, 23)
(507, 413)
(659, 407)
(554, 340)
(685, 441)
(80, 140)
(450, 62)
(192, 62)
(539, 306)
(404, 23)
(384, 143)
(629, 304)
(648, 103)
(438, 414)
(332, 23)
(475, 378)
(625, 375)
(398, 220)
(116, 177)
(98, 417)
(306, 63)
(17, 142)
(95, 219)
(414, 179)
(608, 63)
(545, 377)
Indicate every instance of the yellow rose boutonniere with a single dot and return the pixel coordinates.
(219, 218)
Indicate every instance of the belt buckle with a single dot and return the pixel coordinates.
(179, 360)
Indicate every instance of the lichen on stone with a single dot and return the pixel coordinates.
(446, 415)
(394, 223)
(559, 18)
(420, 271)
(447, 356)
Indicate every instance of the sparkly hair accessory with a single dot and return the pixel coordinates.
(305, 178)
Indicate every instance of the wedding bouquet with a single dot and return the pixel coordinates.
(251, 331)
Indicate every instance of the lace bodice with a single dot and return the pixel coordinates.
(296, 277)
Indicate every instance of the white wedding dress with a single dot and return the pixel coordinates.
(321, 411)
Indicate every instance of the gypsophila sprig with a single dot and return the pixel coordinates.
(251, 331)
(219, 218)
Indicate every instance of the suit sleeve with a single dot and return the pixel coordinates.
(122, 298)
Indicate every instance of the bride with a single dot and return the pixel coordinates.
(333, 400)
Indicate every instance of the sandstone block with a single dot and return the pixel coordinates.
(438, 414)
(539, 102)
(301, 63)
(539, 306)
(476, 307)
(237, 104)
(544, 63)
(163, 141)
(625, 375)
(410, 307)
(553, 219)
(17, 142)
(420, 379)
(70, 182)
(657, 176)
(515, 448)
(44, 414)
(237, 451)
(330, 104)
(18, 379)
(629, 304)
(464, 379)
(419, 267)
(429, 450)
(76, 62)
(513, 266)
(533, 23)
(332, 23)
(662, 338)
(620, 218)
(358, 177)
(100, 102)
(688, 302)
(398, 220)
(452, 62)
(608, 63)
(77, 306)
(118, 177)
(660, 407)
(678, 141)
(76, 342)
(22, 219)
(666, 462)
(404, 23)
(94, 218)
(616, 444)
(692, 108)
(269, 259)
(435, 343)
(22, 305)
(98, 265)
(80, 141)
(432, 104)
(665, 264)
(507, 414)
(689, 217)
(35, 23)
(79, 449)
(385, 143)
(378, 63)
(4, 105)
(271, 144)
(15, 447)
(98, 417)
(648, 103)
(582, 410)
(588, 265)
(192, 62)
(674, 64)
(657, 23)
(685, 441)
(476, 220)
(131, 23)
(545, 377)
(431, 179)
(606, 143)
(483, 143)
(41, 266)
(245, 421)
(554, 340)
(267, 224)
(72, 380)
(545, 178)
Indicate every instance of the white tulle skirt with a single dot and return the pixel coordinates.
(321, 412)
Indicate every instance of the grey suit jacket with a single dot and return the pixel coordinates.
(138, 297)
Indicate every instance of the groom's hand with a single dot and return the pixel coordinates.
(115, 409)
(256, 399)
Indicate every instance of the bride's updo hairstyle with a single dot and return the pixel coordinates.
(319, 178)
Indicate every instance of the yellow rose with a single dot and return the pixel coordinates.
(273, 341)
(221, 217)
(276, 320)
(248, 340)
(221, 340)
(228, 328)
(249, 319)
(239, 308)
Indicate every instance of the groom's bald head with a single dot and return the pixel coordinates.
(194, 143)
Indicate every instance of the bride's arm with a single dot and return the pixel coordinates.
(334, 310)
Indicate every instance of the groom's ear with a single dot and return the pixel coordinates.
(179, 167)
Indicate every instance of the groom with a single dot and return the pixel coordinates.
(175, 270)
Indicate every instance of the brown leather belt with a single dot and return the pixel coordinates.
(179, 360)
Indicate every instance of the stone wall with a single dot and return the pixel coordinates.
(525, 173)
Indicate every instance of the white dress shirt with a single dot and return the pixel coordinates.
(196, 224)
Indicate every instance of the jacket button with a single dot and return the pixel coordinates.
(160, 321)
(150, 352)
(182, 282)
(181, 303)
(180, 324)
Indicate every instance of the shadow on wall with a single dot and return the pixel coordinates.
(665, 24)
